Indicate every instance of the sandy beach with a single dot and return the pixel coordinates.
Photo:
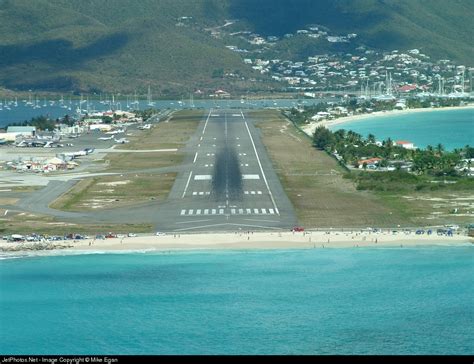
(309, 128)
(256, 240)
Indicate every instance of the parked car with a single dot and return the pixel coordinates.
(131, 235)
(297, 228)
(159, 233)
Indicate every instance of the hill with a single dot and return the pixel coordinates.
(123, 45)
(442, 29)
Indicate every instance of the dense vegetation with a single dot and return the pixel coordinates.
(124, 45)
(400, 181)
(353, 148)
(44, 123)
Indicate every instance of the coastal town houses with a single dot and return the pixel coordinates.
(404, 144)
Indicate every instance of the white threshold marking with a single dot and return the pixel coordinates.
(187, 184)
(250, 176)
(260, 165)
(202, 177)
(190, 212)
(198, 212)
(206, 211)
(183, 212)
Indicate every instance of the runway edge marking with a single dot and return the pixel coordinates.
(260, 165)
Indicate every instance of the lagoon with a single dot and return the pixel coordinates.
(24, 112)
(452, 128)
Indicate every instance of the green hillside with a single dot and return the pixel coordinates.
(442, 29)
(118, 45)
(124, 45)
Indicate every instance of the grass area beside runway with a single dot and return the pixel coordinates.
(26, 223)
(130, 189)
(314, 181)
(165, 135)
(107, 192)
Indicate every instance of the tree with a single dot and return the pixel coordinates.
(469, 152)
(322, 137)
(440, 148)
(371, 138)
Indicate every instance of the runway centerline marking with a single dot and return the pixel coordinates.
(261, 168)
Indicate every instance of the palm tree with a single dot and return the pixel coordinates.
(440, 148)
(371, 138)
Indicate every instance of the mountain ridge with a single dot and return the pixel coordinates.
(120, 45)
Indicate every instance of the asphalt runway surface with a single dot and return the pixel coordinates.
(228, 182)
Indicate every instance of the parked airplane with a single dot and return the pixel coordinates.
(106, 138)
(115, 132)
(76, 154)
(122, 141)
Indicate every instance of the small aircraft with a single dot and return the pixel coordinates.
(122, 141)
(106, 138)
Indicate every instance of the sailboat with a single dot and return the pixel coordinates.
(150, 101)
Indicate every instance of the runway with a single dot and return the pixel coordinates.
(228, 181)
(225, 183)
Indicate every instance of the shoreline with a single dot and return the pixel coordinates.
(309, 128)
(243, 241)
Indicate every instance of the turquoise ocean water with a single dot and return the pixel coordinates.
(322, 301)
(452, 128)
